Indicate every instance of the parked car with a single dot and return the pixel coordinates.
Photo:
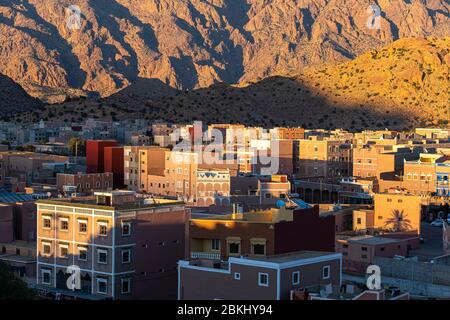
(437, 223)
(448, 219)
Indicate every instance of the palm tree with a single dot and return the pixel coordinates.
(399, 221)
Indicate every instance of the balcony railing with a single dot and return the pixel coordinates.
(205, 255)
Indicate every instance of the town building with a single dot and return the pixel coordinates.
(320, 157)
(261, 232)
(95, 154)
(114, 163)
(394, 210)
(257, 278)
(124, 247)
(85, 183)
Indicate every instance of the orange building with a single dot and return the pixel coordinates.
(323, 158)
(289, 133)
(397, 211)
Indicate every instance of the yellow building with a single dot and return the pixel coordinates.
(397, 211)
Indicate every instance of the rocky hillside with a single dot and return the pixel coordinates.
(13, 98)
(399, 86)
(190, 44)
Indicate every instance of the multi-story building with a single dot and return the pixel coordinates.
(140, 140)
(323, 158)
(261, 232)
(380, 161)
(212, 185)
(419, 176)
(176, 177)
(430, 175)
(357, 190)
(366, 248)
(123, 247)
(95, 154)
(140, 162)
(85, 183)
(258, 278)
(398, 211)
(272, 189)
(114, 163)
(443, 177)
(31, 167)
(288, 133)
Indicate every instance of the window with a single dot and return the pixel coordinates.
(267, 195)
(126, 229)
(233, 248)
(237, 276)
(125, 286)
(64, 224)
(358, 220)
(63, 250)
(363, 256)
(46, 276)
(126, 256)
(46, 222)
(102, 285)
(263, 279)
(102, 256)
(363, 248)
(296, 277)
(259, 249)
(103, 229)
(46, 248)
(215, 244)
(82, 253)
(82, 226)
(326, 272)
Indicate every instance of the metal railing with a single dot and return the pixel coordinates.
(205, 255)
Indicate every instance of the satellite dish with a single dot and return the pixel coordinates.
(280, 204)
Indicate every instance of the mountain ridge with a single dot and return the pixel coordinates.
(399, 86)
(193, 44)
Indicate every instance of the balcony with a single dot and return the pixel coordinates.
(205, 255)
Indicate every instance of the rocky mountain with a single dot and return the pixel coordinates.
(399, 86)
(190, 44)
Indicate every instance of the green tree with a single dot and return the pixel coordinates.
(77, 144)
(12, 288)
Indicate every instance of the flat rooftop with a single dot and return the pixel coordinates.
(287, 257)
(91, 203)
(20, 244)
(371, 240)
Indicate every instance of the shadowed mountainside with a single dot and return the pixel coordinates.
(13, 97)
(399, 86)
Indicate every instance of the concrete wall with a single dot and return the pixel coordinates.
(414, 271)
